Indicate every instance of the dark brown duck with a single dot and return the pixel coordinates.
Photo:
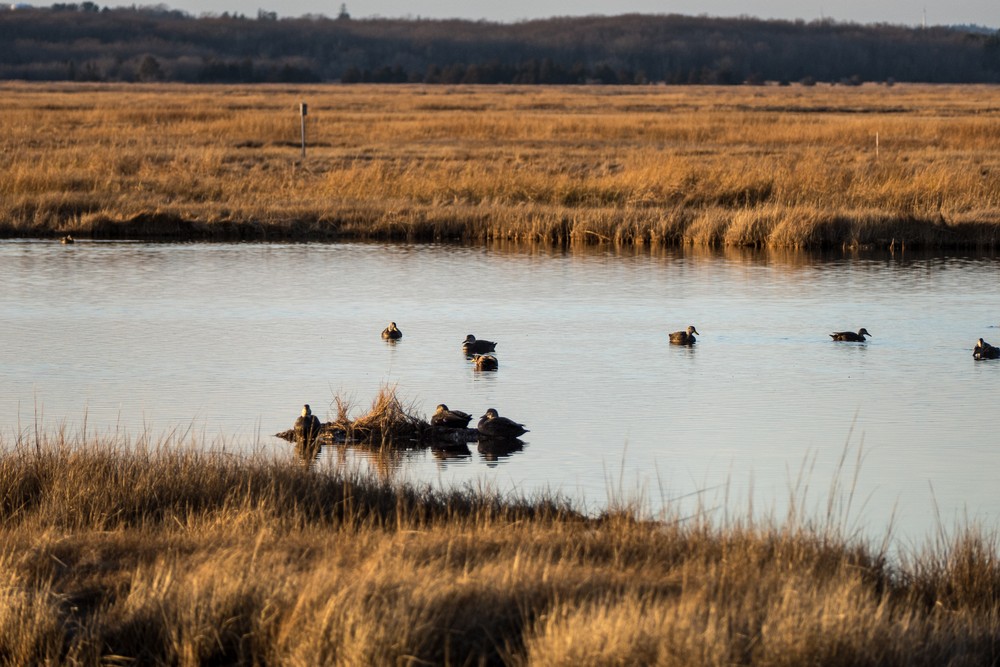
(984, 350)
(492, 425)
(443, 416)
(391, 332)
(850, 336)
(685, 337)
(485, 362)
(307, 426)
(473, 346)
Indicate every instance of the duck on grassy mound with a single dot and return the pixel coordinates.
(473, 346)
(443, 416)
(984, 350)
(307, 425)
(685, 337)
(492, 425)
(850, 336)
(391, 332)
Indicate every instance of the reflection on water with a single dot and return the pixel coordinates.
(232, 339)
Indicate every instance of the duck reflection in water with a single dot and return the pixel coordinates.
(308, 451)
(445, 452)
(494, 451)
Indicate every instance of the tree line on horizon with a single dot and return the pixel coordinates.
(84, 42)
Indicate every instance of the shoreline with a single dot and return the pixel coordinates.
(836, 232)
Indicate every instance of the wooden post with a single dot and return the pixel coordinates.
(303, 110)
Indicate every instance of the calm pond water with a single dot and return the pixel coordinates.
(224, 343)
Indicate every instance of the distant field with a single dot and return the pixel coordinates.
(794, 166)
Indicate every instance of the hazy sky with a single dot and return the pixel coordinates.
(906, 12)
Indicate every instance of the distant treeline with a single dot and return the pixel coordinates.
(85, 42)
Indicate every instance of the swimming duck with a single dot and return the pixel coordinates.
(492, 425)
(684, 337)
(67, 239)
(485, 362)
(850, 336)
(450, 418)
(307, 426)
(472, 346)
(391, 332)
(984, 350)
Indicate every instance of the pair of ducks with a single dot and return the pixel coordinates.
(687, 337)
(471, 345)
(491, 424)
(478, 349)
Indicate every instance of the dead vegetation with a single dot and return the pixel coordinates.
(823, 166)
(388, 424)
(166, 554)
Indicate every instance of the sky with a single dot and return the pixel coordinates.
(903, 12)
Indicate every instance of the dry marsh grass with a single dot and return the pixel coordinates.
(743, 166)
(164, 554)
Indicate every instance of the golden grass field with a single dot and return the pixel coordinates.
(654, 165)
(119, 553)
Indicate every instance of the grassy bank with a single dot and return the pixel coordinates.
(869, 166)
(165, 555)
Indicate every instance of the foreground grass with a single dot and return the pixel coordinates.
(158, 555)
(737, 166)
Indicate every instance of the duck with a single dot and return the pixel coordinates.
(444, 416)
(984, 350)
(67, 239)
(850, 336)
(485, 362)
(685, 337)
(307, 426)
(473, 346)
(492, 425)
(391, 332)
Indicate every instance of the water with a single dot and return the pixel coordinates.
(226, 342)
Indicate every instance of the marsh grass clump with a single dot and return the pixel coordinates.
(163, 553)
(388, 424)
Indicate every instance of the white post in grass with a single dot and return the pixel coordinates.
(303, 110)
(876, 146)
